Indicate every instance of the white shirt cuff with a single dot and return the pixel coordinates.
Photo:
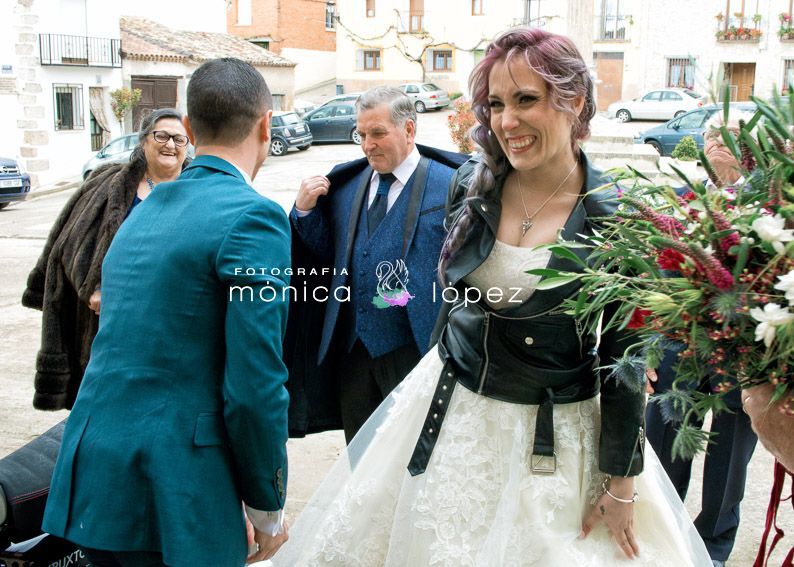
(271, 523)
(301, 213)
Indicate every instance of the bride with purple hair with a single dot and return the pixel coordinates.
(508, 444)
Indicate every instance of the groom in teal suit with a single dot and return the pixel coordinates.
(181, 419)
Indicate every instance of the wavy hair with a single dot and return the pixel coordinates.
(138, 157)
(558, 62)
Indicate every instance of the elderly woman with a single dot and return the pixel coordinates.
(518, 452)
(65, 284)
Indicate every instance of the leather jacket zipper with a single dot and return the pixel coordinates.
(485, 351)
(639, 443)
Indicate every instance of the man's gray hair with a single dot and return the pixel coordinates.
(401, 108)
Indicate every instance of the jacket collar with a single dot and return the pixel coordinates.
(482, 235)
(216, 163)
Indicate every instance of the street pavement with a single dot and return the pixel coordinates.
(24, 228)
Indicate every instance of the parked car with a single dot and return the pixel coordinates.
(349, 97)
(301, 106)
(426, 95)
(658, 104)
(118, 150)
(666, 136)
(288, 130)
(334, 123)
(14, 182)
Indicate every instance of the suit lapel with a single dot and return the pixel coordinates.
(355, 212)
(415, 203)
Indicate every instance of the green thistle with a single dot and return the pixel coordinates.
(628, 370)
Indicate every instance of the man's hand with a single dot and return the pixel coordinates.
(618, 516)
(652, 377)
(267, 545)
(774, 429)
(310, 190)
(94, 301)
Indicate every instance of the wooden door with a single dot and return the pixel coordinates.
(609, 67)
(743, 76)
(156, 92)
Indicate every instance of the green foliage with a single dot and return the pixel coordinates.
(455, 96)
(460, 124)
(686, 149)
(123, 100)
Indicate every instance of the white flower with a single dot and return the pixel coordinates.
(772, 315)
(786, 284)
(770, 228)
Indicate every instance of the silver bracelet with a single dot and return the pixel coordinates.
(631, 500)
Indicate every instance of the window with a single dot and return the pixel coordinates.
(370, 8)
(344, 110)
(788, 73)
(368, 60)
(278, 102)
(692, 120)
(412, 89)
(330, 15)
(614, 20)
(739, 14)
(652, 97)
(68, 100)
(671, 96)
(243, 12)
(417, 14)
(477, 8)
(442, 60)
(322, 113)
(261, 43)
(681, 73)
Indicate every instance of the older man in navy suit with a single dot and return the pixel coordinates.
(379, 222)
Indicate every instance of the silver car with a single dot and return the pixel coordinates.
(426, 96)
(118, 150)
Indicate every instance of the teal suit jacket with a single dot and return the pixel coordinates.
(182, 414)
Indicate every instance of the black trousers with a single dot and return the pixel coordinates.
(100, 558)
(724, 469)
(364, 382)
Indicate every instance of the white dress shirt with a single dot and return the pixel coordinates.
(402, 172)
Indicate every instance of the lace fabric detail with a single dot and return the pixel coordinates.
(479, 504)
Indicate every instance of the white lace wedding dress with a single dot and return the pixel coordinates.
(478, 503)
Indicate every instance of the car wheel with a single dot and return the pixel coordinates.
(623, 115)
(355, 137)
(304, 148)
(278, 147)
(679, 113)
(3, 205)
(420, 106)
(656, 146)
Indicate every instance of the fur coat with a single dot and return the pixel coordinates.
(68, 272)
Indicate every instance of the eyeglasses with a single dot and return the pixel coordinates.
(162, 137)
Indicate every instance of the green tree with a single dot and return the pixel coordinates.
(122, 101)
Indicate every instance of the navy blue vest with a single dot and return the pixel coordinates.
(380, 330)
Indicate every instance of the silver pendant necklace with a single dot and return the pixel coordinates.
(529, 221)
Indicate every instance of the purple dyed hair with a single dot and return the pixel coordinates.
(557, 60)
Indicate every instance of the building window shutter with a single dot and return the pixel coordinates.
(359, 60)
(429, 54)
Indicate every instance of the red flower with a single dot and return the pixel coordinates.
(637, 320)
(670, 259)
(689, 196)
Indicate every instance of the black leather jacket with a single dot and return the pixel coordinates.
(533, 352)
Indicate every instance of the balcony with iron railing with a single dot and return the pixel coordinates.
(78, 50)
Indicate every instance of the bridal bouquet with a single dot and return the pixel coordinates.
(710, 268)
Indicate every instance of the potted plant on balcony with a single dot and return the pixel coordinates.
(784, 31)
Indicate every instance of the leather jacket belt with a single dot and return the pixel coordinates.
(567, 386)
